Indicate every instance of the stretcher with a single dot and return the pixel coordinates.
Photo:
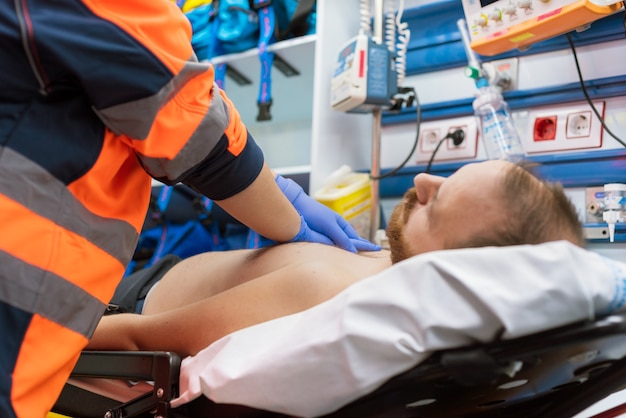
(520, 347)
(562, 372)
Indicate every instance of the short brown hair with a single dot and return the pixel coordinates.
(536, 211)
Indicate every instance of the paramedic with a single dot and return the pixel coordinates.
(494, 203)
(95, 99)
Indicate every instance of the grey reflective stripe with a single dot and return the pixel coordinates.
(38, 291)
(45, 195)
(197, 148)
(135, 119)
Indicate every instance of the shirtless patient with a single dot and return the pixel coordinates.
(208, 296)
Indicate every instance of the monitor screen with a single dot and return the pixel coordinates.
(484, 3)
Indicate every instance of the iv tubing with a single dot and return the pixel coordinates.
(472, 59)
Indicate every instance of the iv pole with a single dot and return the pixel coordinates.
(377, 37)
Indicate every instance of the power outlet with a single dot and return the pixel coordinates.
(564, 128)
(594, 203)
(430, 138)
(545, 129)
(432, 132)
(578, 125)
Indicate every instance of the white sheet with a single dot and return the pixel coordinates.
(316, 361)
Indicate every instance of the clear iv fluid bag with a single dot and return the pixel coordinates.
(498, 133)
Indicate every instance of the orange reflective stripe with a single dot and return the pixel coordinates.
(46, 358)
(116, 186)
(236, 131)
(156, 24)
(58, 250)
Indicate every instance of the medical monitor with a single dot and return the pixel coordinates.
(497, 26)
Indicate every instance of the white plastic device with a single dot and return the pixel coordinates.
(614, 206)
(364, 77)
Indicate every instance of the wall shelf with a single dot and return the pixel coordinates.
(286, 138)
(278, 47)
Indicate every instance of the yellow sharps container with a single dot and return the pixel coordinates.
(349, 194)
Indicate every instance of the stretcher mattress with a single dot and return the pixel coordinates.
(316, 361)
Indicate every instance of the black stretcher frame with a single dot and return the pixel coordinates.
(559, 373)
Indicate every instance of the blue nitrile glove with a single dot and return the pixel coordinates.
(320, 223)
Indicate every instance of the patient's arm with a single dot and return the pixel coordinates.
(188, 329)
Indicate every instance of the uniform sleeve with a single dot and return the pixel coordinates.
(136, 65)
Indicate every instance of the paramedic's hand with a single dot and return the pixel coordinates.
(320, 223)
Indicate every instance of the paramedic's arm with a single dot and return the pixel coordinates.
(165, 105)
(264, 208)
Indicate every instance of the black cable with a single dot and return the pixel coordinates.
(417, 135)
(432, 156)
(582, 85)
(457, 137)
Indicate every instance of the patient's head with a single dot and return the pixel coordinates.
(492, 203)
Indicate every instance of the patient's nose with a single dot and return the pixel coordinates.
(426, 185)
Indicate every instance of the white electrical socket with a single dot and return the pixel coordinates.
(578, 125)
(430, 138)
(432, 132)
(571, 127)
